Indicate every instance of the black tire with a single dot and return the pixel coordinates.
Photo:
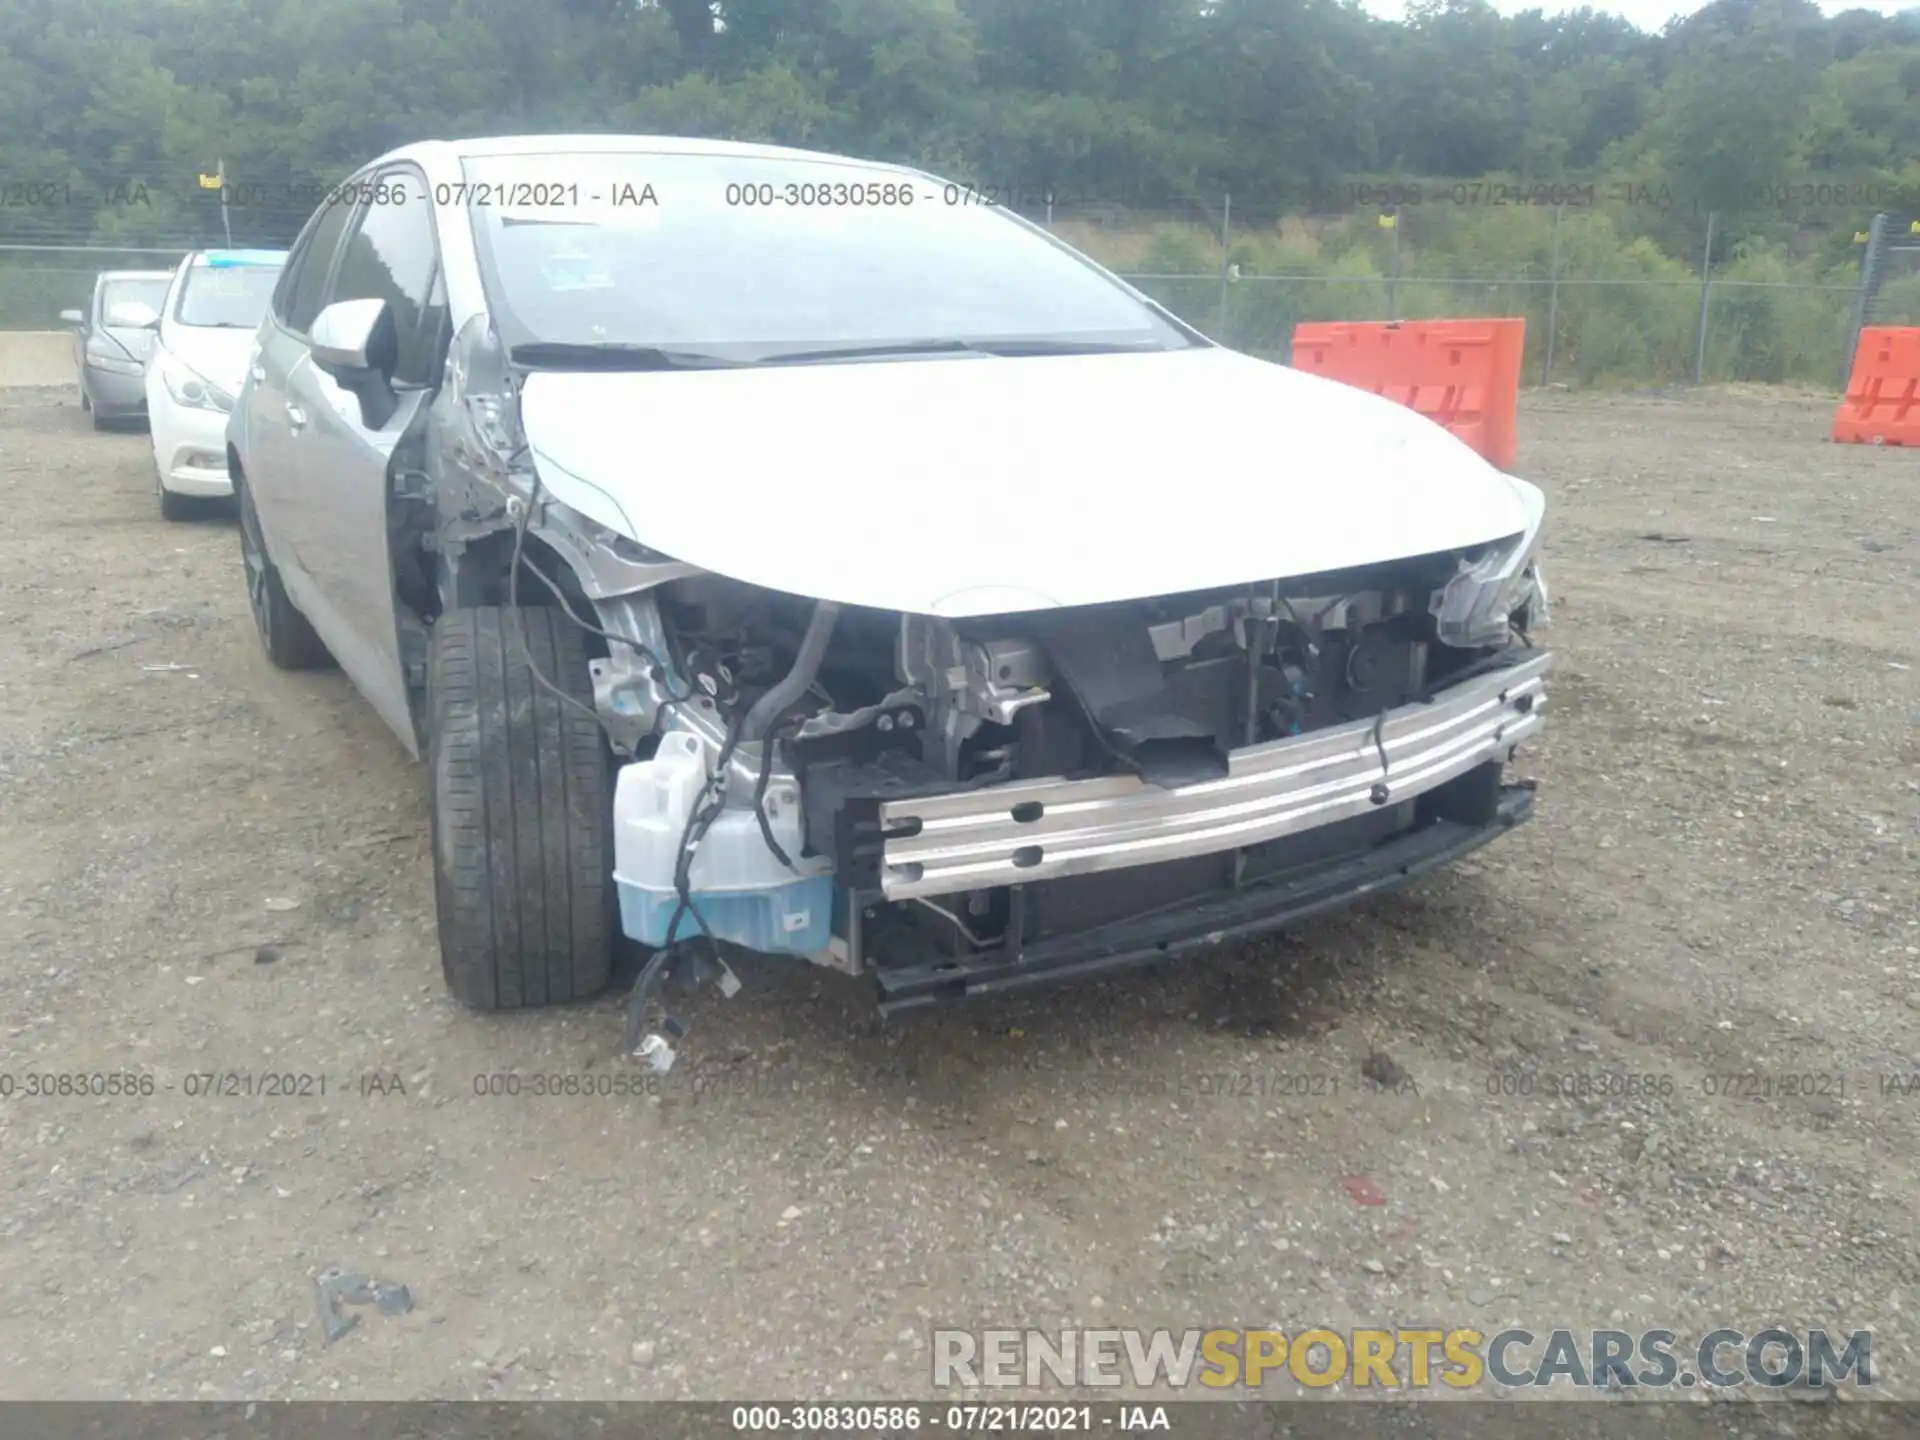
(290, 642)
(522, 811)
(172, 506)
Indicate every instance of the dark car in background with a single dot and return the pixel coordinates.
(111, 340)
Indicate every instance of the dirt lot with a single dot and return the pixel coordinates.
(1721, 879)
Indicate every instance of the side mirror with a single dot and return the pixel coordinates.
(354, 342)
(72, 317)
(134, 315)
(346, 337)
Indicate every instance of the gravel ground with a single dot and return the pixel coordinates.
(1720, 880)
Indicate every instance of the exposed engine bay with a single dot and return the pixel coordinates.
(914, 797)
(827, 715)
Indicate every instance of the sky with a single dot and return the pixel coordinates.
(1647, 14)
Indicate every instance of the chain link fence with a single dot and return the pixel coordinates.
(38, 282)
(1607, 297)
(1608, 293)
(57, 239)
(1580, 330)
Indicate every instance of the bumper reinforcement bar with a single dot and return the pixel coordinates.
(1044, 829)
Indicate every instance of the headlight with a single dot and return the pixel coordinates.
(111, 357)
(1473, 610)
(189, 387)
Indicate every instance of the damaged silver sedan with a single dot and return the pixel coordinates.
(778, 551)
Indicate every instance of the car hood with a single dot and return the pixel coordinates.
(219, 355)
(136, 341)
(980, 486)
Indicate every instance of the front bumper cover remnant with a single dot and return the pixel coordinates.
(1043, 829)
(1275, 905)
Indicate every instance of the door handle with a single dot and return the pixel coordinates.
(296, 417)
(259, 372)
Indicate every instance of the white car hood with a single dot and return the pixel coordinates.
(219, 355)
(137, 343)
(976, 486)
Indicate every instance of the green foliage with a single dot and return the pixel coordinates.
(1113, 98)
(1621, 311)
(1900, 302)
(1791, 127)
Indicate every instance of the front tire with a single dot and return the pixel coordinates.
(290, 642)
(172, 506)
(522, 811)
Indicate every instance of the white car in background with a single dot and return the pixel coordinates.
(205, 335)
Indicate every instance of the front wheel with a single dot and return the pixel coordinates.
(173, 506)
(290, 642)
(522, 811)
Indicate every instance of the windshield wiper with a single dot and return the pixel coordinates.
(880, 349)
(1064, 347)
(611, 355)
(1011, 347)
(616, 355)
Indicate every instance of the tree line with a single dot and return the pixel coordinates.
(1793, 125)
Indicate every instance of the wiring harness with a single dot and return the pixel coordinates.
(699, 946)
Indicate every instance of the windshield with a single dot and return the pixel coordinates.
(151, 293)
(755, 258)
(226, 296)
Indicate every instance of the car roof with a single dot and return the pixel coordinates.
(427, 151)
(106, 275)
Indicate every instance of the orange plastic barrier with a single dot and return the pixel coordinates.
(1882, 403)
(1463, 374)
